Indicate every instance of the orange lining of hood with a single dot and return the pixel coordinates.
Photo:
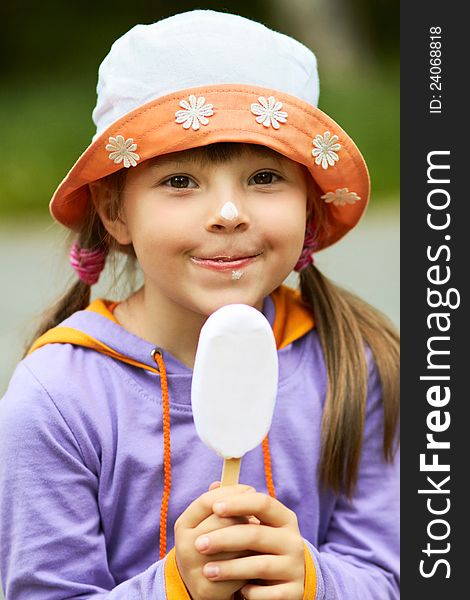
(292, 320)
(69, 335)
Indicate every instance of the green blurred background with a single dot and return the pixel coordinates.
(50, 52)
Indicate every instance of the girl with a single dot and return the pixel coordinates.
(214, 170)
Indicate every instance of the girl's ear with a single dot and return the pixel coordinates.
(106, 205)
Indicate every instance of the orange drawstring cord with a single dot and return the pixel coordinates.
(157, 355)
(268, 473)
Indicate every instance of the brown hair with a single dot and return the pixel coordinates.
(345, 325)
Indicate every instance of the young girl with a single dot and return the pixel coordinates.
(215, 171)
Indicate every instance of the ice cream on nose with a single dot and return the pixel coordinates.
(229, 211)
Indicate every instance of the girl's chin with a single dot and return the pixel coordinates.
(232, 297)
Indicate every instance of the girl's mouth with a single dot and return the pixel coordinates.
(224, 263)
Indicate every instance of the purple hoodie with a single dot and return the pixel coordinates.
(81, 473)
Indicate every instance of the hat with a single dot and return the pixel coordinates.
(202, 77)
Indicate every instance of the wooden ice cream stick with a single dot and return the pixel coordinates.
(231, 471)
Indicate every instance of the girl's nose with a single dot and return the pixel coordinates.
(228, 217)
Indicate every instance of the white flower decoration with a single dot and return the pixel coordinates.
(195, 112)
(341, 197)
(326, 149)
(123, 151)
(269, 111)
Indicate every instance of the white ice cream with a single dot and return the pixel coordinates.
(229, 211)
(235, 380)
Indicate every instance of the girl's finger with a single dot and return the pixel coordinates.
(201, 508)
(262, 566)
(213, 523)
(267, 592)
(214, 485)
(258, 538)
(268, 510)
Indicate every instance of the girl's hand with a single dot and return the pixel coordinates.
(195, 522)
(275, 566)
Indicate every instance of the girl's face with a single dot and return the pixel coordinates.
(208, 234)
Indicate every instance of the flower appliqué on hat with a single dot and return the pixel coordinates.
(194, 113)
(341, 197)
(326, 149)
(269, 112)
(123, 151)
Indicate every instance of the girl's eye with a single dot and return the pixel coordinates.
(180, 182)
(264, 177)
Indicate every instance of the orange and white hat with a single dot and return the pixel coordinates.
(202, 77)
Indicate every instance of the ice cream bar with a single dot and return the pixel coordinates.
(235, 380)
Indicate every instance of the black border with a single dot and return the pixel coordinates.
(421, 133)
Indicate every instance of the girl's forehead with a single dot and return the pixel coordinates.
(218, 153)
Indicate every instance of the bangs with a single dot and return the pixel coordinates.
(217, 153)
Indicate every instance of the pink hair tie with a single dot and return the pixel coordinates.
(88, 264)
(306, 258)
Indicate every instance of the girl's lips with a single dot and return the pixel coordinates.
(224, 264)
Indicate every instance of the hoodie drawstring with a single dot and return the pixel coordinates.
(157, 355)
(268, 473)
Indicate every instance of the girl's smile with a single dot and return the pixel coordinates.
(225, 263)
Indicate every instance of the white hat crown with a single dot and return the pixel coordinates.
(195, 49)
